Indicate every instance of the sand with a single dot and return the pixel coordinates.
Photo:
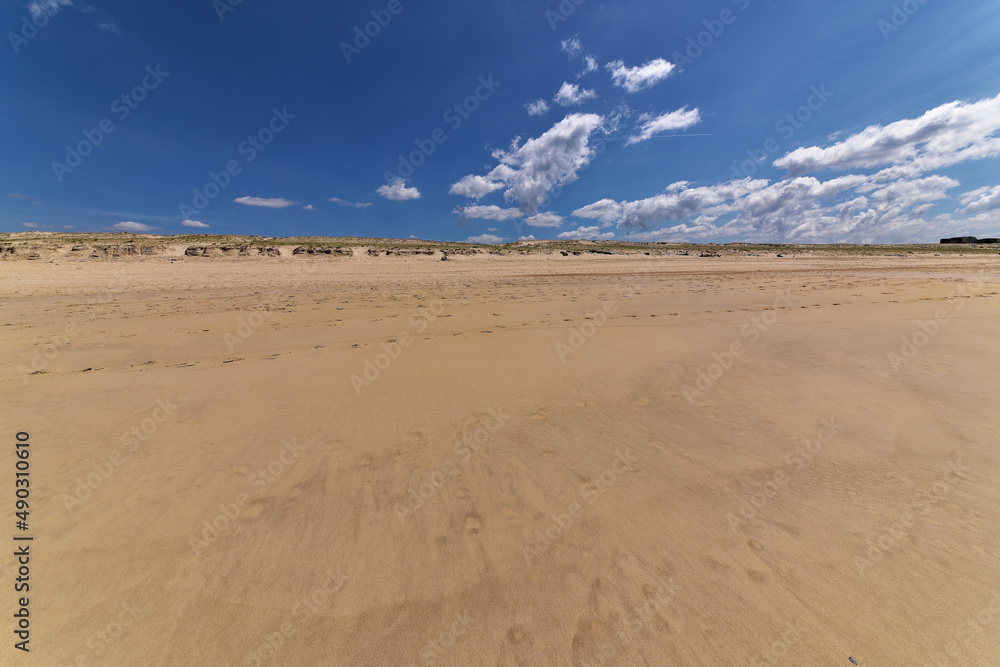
(503, 460)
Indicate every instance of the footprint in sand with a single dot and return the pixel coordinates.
(516, 634)
(473, 525)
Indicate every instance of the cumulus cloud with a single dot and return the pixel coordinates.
(605, 210)
(887, 191)
(474, 187)
(544, 220)
(634, 79)
(946, 135)
(264, 202)
(983, 199)
(353, 204)
(650, 126)
(398, 191)
(571, 94)
(537, 108)
(529, 172)
(527, 238)
(110, 26)
(484, 238)
(308, 207)
(572, 46)
(855, 208)
(488, 213)
(194, 223)
(588, 233)
(37, 8)
(590, 67)
(131, 227)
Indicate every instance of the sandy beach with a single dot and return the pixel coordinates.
(506, 460)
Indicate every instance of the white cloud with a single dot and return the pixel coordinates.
(527, 238)
(494, 213)
(850, 208)
(589, 233)
(895, 204)
(484, 238)
(474, 187)
(131, 227)
(537, 108)
(194, 223)
(263, 202)
(30, 225)
(591, 66)
(26, 198)
(397, 191)
(109, 26)
(983, 199)
(634, 79)
(544, 220)
(572, 46)
(650, 125)
(51, 7)
(571, 94)
(309, 207)
(354, 204)
(606, 210)
(943, 136)
(531, 171)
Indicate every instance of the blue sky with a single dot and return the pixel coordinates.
(721, 121)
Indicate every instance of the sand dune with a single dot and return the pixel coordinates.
(504, 460)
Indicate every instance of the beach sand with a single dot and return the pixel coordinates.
(501, 460)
